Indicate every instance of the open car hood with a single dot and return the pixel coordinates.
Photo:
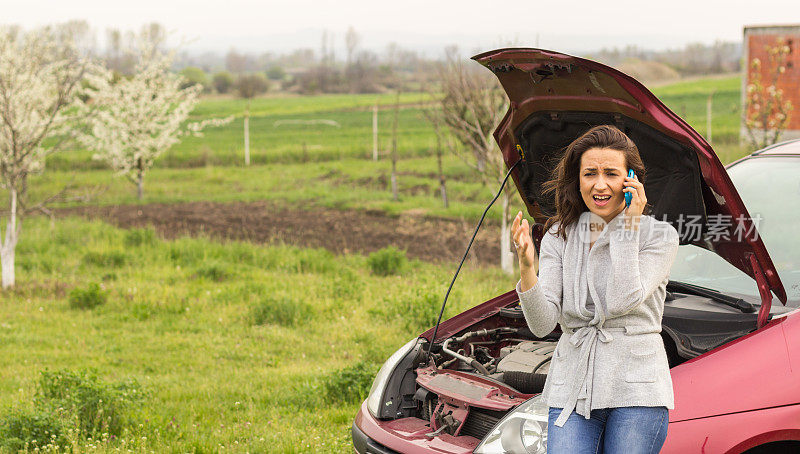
(556, 97)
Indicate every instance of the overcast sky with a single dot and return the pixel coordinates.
(278, 26)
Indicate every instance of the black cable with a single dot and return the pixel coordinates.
(444, 303)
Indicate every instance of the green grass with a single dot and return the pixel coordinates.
(289, 143)
(214, 377)
(688, 100)
(271, 144)
(296, 105)
(332, 166)
(340, 184)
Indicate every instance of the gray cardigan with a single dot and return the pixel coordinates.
(611, 355)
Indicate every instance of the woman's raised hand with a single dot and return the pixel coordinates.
(523, 242)
(638, 201)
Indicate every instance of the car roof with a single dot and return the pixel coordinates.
(788, 147)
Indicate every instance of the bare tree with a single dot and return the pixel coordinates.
(393, 67)
(235, 62)
(249, 86)
(362, 74)
(391, 56)
(324, 74)
(434, 117)
(394, 146)
(766, 113)
(328, 56)
(155, 34)
(472, 104)
(351, 41)
(79, 33)
(44, 81)
(113, 49)
(118, 58)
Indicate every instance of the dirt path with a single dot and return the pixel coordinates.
(436, 240)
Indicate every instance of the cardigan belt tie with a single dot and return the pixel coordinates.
(580, 397)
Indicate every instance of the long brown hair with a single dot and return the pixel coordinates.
(565, 180)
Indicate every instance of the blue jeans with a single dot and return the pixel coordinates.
(629, 430)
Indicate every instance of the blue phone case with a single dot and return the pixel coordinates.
(628, 195)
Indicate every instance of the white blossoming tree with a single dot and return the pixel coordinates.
(44, 81)
(766, 112)
(140, 117)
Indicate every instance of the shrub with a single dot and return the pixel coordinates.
(140, 237)
(251, 85)
(350, 384)
(345, 285)
(242, 253)
(185, 252)
(420, 310)
(98, 406)
(417, 308)
(317, 260)
(111, 259)
(279, 310)
(88, 297)
(276, 73)
(22, 430)
(214, 271)
(222, 81)
(387, 261)
(193, 75)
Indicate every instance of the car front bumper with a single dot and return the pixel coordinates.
(404, 435)
(362, 444)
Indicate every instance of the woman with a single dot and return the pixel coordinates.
(603, 270)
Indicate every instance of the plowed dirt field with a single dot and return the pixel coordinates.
(429, 239)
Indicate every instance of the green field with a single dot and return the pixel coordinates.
(293, 143)
(284, 142)
(688, 100)
(240, 347)
(336, 169)
(237, 346)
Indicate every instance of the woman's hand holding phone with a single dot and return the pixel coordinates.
(635, 188)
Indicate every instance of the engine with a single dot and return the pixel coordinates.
(507, 359)
(501, 355)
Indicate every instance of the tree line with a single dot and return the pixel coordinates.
(309, 71)
(691, 60)
(365, 70)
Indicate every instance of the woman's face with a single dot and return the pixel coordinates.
(602, 172)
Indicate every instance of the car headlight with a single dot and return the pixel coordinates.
(379, 384)
(524, 430)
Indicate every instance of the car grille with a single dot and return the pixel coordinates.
(428, 405)
(480, 421)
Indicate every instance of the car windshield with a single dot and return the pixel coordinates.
(770, 189)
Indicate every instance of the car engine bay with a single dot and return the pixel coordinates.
(471, 380)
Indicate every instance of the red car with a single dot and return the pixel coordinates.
(475, 387)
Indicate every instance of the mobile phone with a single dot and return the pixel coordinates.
(629, 195)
